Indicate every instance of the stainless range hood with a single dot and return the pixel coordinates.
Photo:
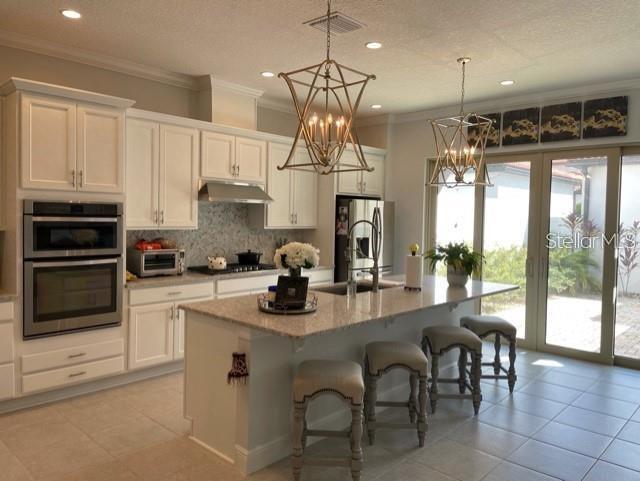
(233, 192)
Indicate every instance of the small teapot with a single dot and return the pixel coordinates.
(217, 262)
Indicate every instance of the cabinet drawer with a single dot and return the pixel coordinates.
(6, 311)
(72, 374)
(6, 342)
(170, 293)
(74, 355)
(7, 381)
(246, 284)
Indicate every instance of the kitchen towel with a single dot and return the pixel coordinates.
(413, 272)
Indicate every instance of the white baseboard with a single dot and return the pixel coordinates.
(89, 387)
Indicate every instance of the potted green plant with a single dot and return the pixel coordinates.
(461, 262)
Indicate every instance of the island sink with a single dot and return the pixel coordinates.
(341, 288)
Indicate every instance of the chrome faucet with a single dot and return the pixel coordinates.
(376, 244)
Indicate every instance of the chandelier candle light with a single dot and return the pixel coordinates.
(460, 155)
(326, 136)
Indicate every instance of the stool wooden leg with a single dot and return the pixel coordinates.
(422, 410)
(511, 376)
(299, 409)
(413, 400)
(476, 370)
(356, 442)
(372, 399)
(496, 359)
(433, 392)
(462, 370)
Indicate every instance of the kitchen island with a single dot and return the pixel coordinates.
(249, 424)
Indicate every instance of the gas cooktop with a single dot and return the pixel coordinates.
(232, 268)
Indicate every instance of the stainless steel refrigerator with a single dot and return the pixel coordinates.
(350, 210)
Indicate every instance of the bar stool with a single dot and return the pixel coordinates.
(313, 379)
(439, 339)
(382, 357)
(484, 326)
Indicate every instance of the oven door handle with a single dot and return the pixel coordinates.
(76, 263)
(74, 219)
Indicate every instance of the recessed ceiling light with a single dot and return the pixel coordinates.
(376, 106)
(506, 83)
(73, 14)
(267, 74)
(373, 45)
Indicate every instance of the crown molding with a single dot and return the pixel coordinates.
(584, 92)
(78, 55)
(277, 105)
(24, 85)
(217, 84)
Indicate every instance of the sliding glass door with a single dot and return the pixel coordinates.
(627, 326)
(577, 252)
(565, 227)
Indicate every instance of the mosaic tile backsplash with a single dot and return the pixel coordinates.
(221, 227)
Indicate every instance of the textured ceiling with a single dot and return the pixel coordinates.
(542, 44)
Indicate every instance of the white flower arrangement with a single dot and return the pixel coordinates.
(295, 255)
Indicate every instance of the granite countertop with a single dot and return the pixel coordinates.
(191, 277)
(340, 312)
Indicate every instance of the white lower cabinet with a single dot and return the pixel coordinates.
(151, 334)
(156, 324)
(7, 381)
(72, 374)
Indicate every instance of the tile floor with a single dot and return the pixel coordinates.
(567, 420)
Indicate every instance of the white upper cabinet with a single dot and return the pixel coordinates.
(373, 182)
(228, 157)
(179, 156)
(361, 182)
(218, 156)
(48, 143)
(251, 160)
(305, 198)
(279, 212)
(71, 146)
(162, 175)
(100, 149)
(143, 170)
(294, 192)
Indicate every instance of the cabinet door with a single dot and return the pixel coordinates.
(100, 149)
(373, 182)
(178, 177)
(7, 381)
(251, 160)
(178, 335)
(150, 334)
(305, 197)
(143, 165)
(349, 182)
(48, 143)
(218, 156)
(279, 187)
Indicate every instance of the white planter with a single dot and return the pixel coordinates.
(456, 278)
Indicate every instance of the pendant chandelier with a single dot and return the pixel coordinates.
(460, 146)
(326, 115)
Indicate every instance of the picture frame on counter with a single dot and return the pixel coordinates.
(291, 292)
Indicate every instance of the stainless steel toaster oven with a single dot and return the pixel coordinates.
(156, 262)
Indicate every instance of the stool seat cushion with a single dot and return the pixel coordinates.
(315, 376)
(441, 338)
(383, 354)
(483, 325)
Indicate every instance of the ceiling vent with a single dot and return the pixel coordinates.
(340, 23)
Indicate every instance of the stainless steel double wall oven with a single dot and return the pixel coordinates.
(73, 266)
